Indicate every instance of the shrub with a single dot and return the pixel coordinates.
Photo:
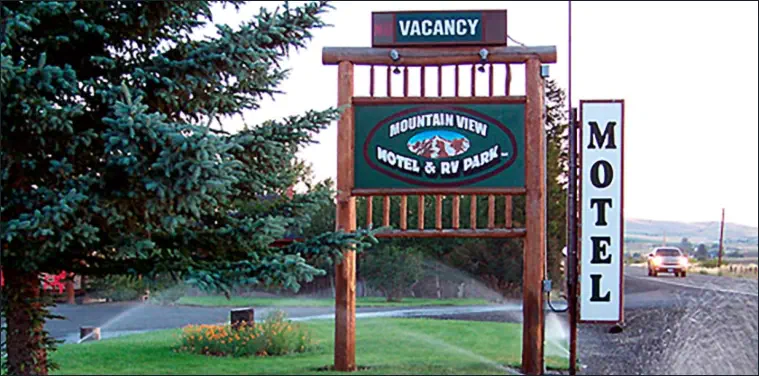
(274, 336)
(711, 263)
(163, 289)
(392, 270)
(168, 295)
(116, 287)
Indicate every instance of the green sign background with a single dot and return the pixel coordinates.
(373, 124)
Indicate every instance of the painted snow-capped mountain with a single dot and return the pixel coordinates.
(438, 144)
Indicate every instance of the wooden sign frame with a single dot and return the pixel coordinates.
(534, 229)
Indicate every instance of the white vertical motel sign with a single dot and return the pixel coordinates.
(601, 210)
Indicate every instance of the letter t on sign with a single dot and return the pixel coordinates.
(602, 204)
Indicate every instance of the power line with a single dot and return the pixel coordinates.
(515, 41)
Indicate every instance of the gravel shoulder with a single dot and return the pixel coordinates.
(709, 327)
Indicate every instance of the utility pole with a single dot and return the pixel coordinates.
(571, 264)
(572, 243)
(721, 233)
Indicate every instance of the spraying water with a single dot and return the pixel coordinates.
(557, 336)
(440, 344)
(131, 311)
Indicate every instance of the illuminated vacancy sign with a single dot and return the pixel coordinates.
(439, 28)
(601, 209)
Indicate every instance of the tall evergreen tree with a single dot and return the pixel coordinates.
(112, 163)
(557, 169)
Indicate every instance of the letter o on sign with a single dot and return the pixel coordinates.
(608, 174)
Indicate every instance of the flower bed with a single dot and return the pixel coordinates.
(274, 336)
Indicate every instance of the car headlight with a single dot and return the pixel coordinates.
(657, 260)
(684, 261)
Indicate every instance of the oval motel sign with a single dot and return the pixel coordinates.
(439, 145)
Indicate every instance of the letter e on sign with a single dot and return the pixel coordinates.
(601, 208)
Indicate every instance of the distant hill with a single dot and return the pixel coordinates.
(644, 229)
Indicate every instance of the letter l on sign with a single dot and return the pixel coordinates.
(601, 208)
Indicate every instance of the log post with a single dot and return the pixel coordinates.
(70, 295)
(534, 244)
(345, 271)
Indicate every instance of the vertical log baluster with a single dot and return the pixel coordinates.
(420, 212)
(439, 80)
(456, 81)
(490, 79)
(389, 78)
(371, 80)
(404, 213)
(369, 213)
(422, 90)
(473, 212)
(474, 80)
(385, 211)
(491, 212)
(456, 210)
(438, 212)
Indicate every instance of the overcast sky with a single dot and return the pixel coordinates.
(686, 70)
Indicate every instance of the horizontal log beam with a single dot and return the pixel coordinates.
(460, 233)
(437, 56)
(369, 101)
(438, 191)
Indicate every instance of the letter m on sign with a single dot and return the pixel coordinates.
(599, 138)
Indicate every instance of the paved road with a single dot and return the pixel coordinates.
(116, 319)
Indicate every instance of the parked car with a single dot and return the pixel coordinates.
(667, 260)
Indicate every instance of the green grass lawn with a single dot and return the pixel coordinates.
(387, 346)
(221, 301)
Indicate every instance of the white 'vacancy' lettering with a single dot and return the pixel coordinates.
(449, 27)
